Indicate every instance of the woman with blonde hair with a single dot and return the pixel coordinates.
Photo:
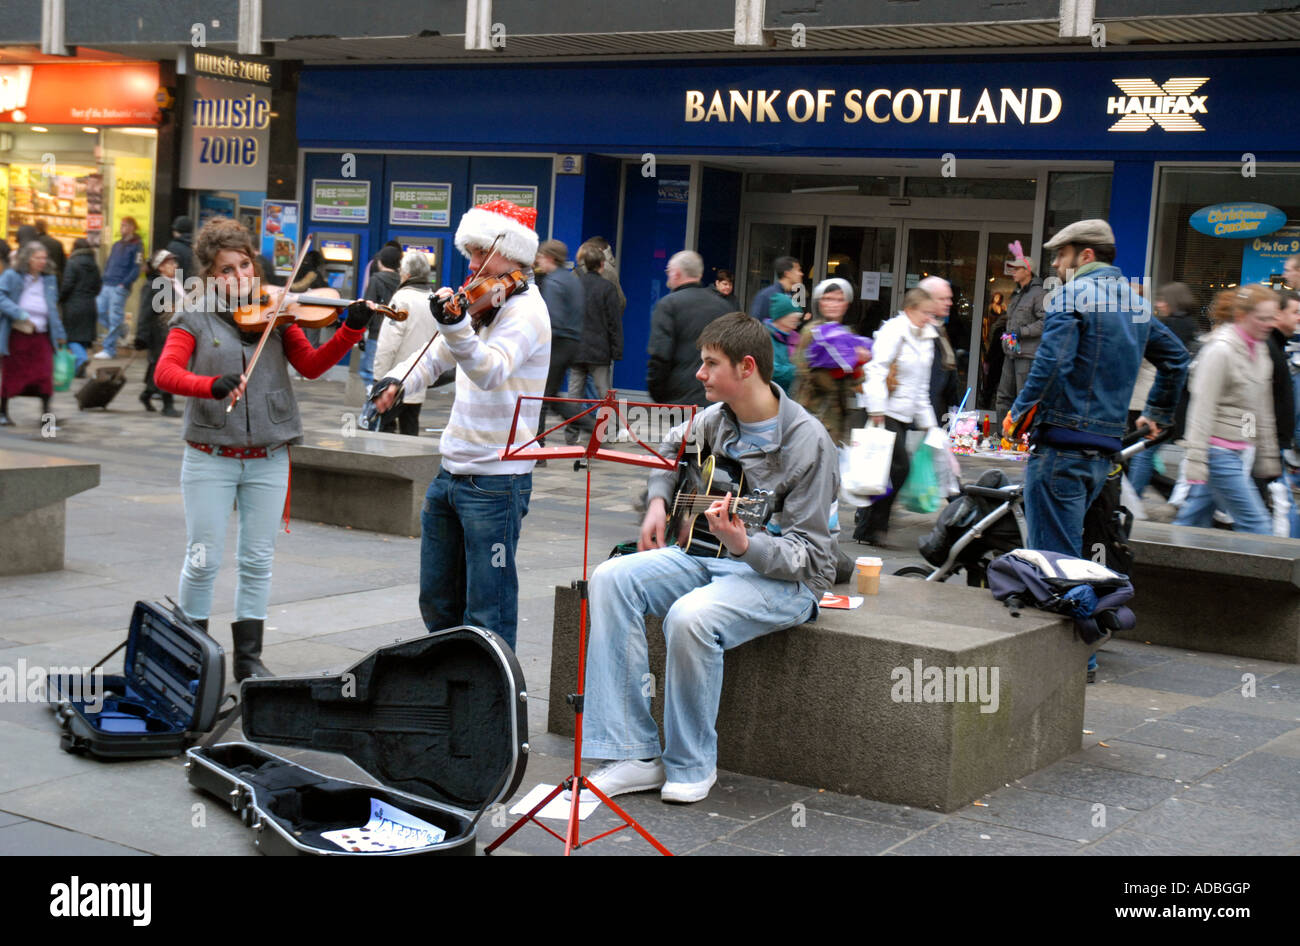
(1231, 434)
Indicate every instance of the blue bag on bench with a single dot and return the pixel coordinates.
(1094, 595)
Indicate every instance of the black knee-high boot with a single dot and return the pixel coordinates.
(248, 649)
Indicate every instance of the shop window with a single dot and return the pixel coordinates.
(823, 184)
(1208, 264)
(1073, 196)
(971, 188)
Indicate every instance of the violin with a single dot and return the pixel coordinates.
(317, 309)
(485, 292)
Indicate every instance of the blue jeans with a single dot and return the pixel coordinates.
(469, 531)
(80, 357)
(1292, 481)
(112, 314)
(1231, 489)
(1141, 468)
(709, 605)
(210, 486)
(367, 367)
(1060, 485)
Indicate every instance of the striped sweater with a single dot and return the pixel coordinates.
(509, 358)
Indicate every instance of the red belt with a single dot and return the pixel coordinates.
(235, 453)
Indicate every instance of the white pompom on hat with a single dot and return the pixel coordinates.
(500, 218)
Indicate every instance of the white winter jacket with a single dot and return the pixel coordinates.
(900, 341)
(399, 341)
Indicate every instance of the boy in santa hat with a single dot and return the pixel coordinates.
(472, 511)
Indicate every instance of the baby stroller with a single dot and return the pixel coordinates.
(987, 519)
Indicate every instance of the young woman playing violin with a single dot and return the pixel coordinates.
(237, 456)
(498, 336)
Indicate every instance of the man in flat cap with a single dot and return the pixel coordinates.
(1098, 329)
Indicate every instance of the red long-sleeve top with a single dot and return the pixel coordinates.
(171, 373)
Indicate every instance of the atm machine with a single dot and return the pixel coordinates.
(428, 244)
(341, 253)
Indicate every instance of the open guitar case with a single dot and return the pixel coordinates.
(440, 721)
(168, 695)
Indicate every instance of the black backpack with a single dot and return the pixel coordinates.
(1107, 525)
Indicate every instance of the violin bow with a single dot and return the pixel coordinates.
(270, 324)
(492, 251)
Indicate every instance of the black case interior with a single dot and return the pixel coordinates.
(440, 719)
(168, 694)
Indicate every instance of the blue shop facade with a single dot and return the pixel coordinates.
(881, 171)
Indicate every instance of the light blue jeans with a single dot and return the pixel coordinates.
(709, 606)
(79, 355)
(1229, 488)
(367, 367)
(211, 485)
(111, 303)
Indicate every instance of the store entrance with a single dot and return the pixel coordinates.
(883, 257)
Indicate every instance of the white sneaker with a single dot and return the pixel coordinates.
(686, 792)
(101, 354)
(620, 776)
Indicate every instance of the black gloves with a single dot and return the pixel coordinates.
(357, 315)
(380, 386)
(222, 386)
(440, 313)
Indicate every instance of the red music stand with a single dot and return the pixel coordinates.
(591, 451)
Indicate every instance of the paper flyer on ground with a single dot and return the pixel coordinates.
(389, 829)
(558, 807)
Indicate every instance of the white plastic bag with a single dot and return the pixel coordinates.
(864, 465)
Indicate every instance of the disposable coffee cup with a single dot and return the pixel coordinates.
(868, 569)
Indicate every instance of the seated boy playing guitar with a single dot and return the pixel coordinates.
(721, 594)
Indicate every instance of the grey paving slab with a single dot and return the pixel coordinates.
(153, 809)
(1171, 735)
(1262, 782)
(1151, 760)
(724, 849)
(1054, 815)
(1286, 745)
(748, 799)
(72, 576)
(864, 809)
(959, 836)
(7, 818)
(1219, 830)
(1264, 704)
(1155, 701)
(1108, 786)
(1178, 678)
(1240, 723)
(810, 831)
(34, 838)
(1124, 843)
(366, 639)
(1110, 719)
(42, 761)
(1282, 686)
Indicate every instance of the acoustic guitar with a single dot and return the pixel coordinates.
(699, 486)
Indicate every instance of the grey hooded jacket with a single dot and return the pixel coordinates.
(801, 468)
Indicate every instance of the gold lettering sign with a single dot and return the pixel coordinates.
(1025, 106)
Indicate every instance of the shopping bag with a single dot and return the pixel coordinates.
(920, 492)
(65, 365)
(864, 465)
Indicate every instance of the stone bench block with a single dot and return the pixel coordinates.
(1217, 591)
(823, 704)
(365, 480)
(33, 497)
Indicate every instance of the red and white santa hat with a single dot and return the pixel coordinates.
(515, 226)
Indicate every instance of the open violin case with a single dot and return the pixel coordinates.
(441, 721)
(168, 695)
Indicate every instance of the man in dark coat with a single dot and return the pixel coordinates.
(77, 294)
(179, 247)
(383, 283)
(675, 324)
(602, 330)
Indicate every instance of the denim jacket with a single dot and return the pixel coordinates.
(1097, 332)
(11, 290)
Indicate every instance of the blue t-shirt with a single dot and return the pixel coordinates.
(753, 437)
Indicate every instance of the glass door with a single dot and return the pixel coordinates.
(773, 236)
(999, 286)
(863, 253)
(953, 254)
